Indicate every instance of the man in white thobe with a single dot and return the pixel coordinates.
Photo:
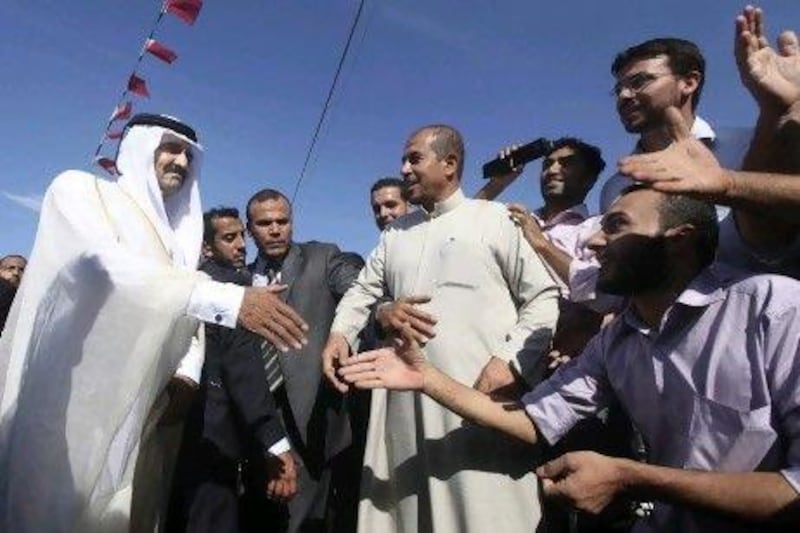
(112, 305)
(464, 278)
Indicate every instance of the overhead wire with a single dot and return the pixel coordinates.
(328, 99)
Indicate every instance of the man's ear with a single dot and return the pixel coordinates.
(679, 233)
(690, 82)
(208, 253)
(451, 164)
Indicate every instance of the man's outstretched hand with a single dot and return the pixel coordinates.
(587, 481)
(335, 353)
(265, 314)
(401, 367)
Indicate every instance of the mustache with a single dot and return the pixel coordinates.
(177, 169)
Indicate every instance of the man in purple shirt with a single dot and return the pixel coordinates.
(706, 365)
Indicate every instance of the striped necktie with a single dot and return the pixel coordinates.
(272, 364)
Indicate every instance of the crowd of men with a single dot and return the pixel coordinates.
(530, 370)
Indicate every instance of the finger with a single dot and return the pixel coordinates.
(418, 299)
(788, 44)
(758, 26)
(276, 288)
(370, 375)
(330, 373)
(370, 384)
(676, 126)
(286, 311)
(355, 369)
(553, 469)
(273, 339)
(417, 316)
(288, 330)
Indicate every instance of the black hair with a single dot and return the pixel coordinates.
(683, 57)
(384, 183)
(208, 220)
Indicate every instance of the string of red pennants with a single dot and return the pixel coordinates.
(187, 11)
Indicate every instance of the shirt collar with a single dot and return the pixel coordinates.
(575, 214)
(705, 289)
(446, 205)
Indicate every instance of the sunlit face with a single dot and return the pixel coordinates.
(428, 178)
(228, 246)
(388, 205)
(645, 88)
(12, 268)
(630, 245)
(270, 225)
(565, 176)
(173, 159)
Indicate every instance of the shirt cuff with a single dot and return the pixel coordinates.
(216, 303)
(191, 366)
(551, 414)
(282, 446)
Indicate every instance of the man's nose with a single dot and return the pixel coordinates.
(182, 158)
(405, 169)
(597, 241)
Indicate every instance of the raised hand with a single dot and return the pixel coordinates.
(394, 315)
(401, 367)
(281, 477)
(772, 77)
(684, 167)
(265, 314)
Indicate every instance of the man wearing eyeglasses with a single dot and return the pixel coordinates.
(651, 77)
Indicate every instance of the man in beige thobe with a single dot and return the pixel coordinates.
(467, 282)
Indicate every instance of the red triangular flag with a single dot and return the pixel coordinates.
(186, 10)
(107, 164)
(114, 135)
(137, 85)
(122, 112)
(160, 51)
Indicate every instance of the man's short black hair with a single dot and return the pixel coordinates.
(683, 57)
(589, 154)
(266, 194)
(212, 214)
(387, 182)
(677, 209)
(10, 256)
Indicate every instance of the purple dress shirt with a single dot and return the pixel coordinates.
(715, 387)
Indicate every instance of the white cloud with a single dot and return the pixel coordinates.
(30, 201)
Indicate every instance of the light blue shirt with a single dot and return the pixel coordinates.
(715, 387)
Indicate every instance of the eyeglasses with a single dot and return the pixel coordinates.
(636, 83)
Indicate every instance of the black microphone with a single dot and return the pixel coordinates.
(522, 155)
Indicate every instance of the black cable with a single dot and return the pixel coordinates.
(328, 100)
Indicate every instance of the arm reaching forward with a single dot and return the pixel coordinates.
(404, 367)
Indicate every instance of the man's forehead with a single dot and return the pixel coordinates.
(386, 192)
(227, 223)
(564, 151)
(171, 139)
(637, 202)
(656, 64)
(13, 261)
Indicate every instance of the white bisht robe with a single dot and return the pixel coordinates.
(426, 468)
(96, 330)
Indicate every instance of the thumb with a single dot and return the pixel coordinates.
(676, 126)
(553, 469)
(787, 44)
(275, 288)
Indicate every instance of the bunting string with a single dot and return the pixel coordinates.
(185, 10)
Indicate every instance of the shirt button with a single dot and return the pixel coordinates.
(218, 318)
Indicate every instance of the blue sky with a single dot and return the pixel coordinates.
(251, 76)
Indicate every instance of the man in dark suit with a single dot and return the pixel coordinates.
(316, 275)
(232, 429)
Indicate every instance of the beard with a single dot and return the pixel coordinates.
(635, 264)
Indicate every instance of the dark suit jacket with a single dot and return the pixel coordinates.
(317, 275)
(234, 410)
